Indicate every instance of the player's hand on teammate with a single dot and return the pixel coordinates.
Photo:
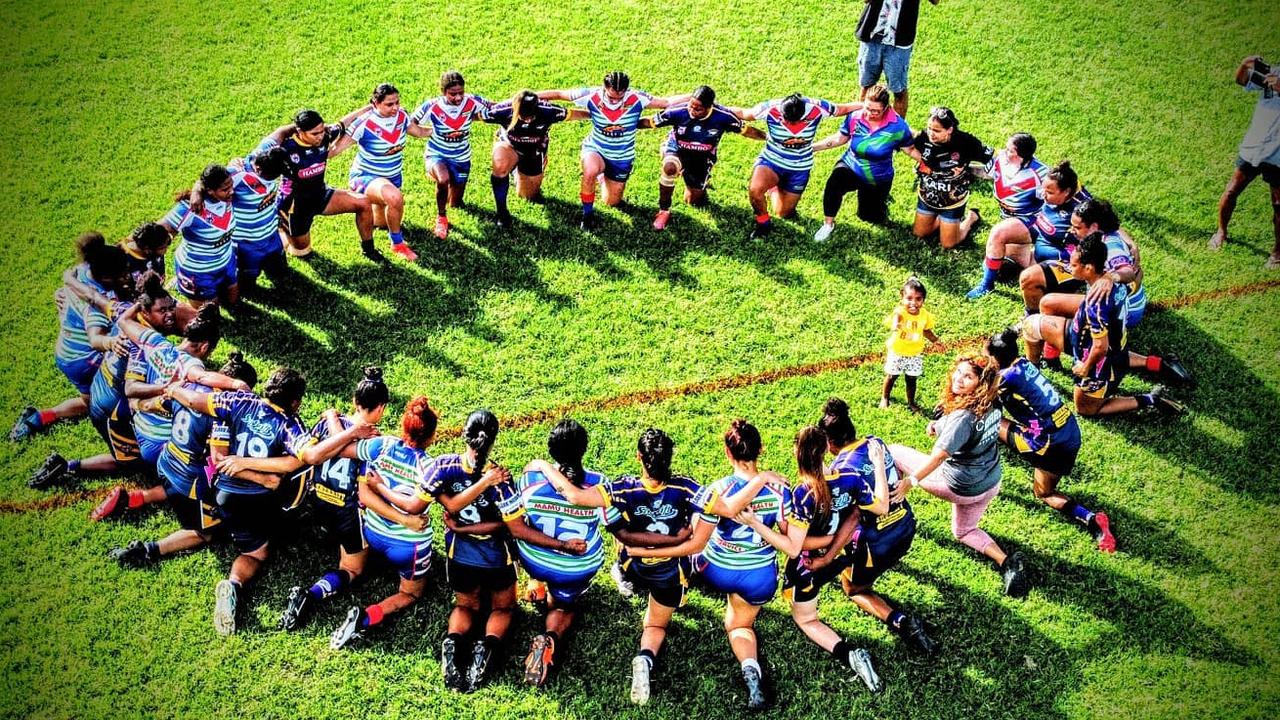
(231, 465)
(364, 431)
(577, 546)
(419, 523)
(495, 475)
(1078, 369)
(120, 346)
(748, 518)
(898, 494)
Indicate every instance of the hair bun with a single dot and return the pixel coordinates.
(373, 373)
(836, 407)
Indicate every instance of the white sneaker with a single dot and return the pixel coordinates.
(824, 232)
(625, 589)
(224, 607)
(860, 661)
(639, 680)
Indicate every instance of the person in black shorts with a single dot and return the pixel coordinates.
(697, 126)
(335, 503)
(304, 194)
(521, 146)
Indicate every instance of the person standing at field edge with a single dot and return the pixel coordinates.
(887, 32)
(1259, 151)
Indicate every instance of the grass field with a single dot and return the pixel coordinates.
(112, 106)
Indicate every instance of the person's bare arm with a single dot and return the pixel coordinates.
(692, 546)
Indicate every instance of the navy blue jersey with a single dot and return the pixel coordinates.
(182, 461)
(304, 173)
(665, 510)
(336, 479)
(854, 465)
(697, 134)
(527, 135)
(1030, 400)
(1096, 320)
(450, 475)
(257, 429)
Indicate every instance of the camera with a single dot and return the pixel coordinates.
(1258, 75)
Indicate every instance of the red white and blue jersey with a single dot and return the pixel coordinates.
(401, 468)
(1119, 255)
(1018, 189)
(1053, 222)
(257, 429)
(206, 238)
(254, 202)
(77, 317)
(547, 510)
(380, 144)
(690, 134)
(451, 126)
(790, 144)
(613, 127)
(1030, 400)
(734, 546)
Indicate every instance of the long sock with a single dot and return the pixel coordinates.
(1050, 352)
(442, 198)
(47, 418)
(491, 641)
(153, 549)
(456, 637)
(588, 203)
(397, 237)
(762, 219)
(135, 499)
(1145, 400)
(501, 185)
(372, 616)
(332, 582)
(73, 466)
(1078, 512)
(895, 619)
(991, 271)
(841, 652)
(751, 662)
(1154, 363)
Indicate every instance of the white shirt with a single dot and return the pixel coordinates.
(1261, 143)
(887, 23)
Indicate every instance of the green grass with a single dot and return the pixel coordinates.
(112, 106)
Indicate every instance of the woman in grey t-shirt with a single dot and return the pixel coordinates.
(964, 466)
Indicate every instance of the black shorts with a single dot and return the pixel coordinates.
(873, 555)
(193, 513)
(696, 168)
(249, 518)
(293, 489)
(1058, 279)
(1053, 452)
(297, 212)
(466, 579)
(531, 161)
(1270, 173)
(341, 522)
(667, 582)
(802, 586)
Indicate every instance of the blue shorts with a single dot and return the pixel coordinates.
(458, 171)
(205, 285)
(150, 450)
(756, 586)
(411, 559)
(792, 181)
(615, 170)
(80, 372)
(1048, 252)
(1028, 222)
(361, 181)
(564, 588)
(875, 58)
(949, 215)
(1054, 452)
(251, 258)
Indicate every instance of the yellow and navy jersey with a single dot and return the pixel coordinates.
(734, 546)
(154, 360)
(400, 467)
(258, 429)
(532, 134)
(1098, 319)
(1053, 222)
(304, 173)
(697, 134)
(182, 461)
(856, 475)
(1030, 400)
(337, 480)
(536, 500)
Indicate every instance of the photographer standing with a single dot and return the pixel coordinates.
(1259, 151)
(887, 31)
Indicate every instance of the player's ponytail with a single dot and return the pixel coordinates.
(150, 238)
(793, 107)
(1096, 211)
(655, 450)
(836, 423)
(523, 105)
(1003, 347)
(567, 445)
(89, 242)
(418, 424)
(479, 433)
(1025, 145)
(238, 368)
(271, 163)
(285, 388)
(811, 450)
(371, 392)
(743, 441)
(1065, 177)
(212, 177)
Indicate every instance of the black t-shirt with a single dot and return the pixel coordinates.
(304, 173)
(942, 188)
(530, 135)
